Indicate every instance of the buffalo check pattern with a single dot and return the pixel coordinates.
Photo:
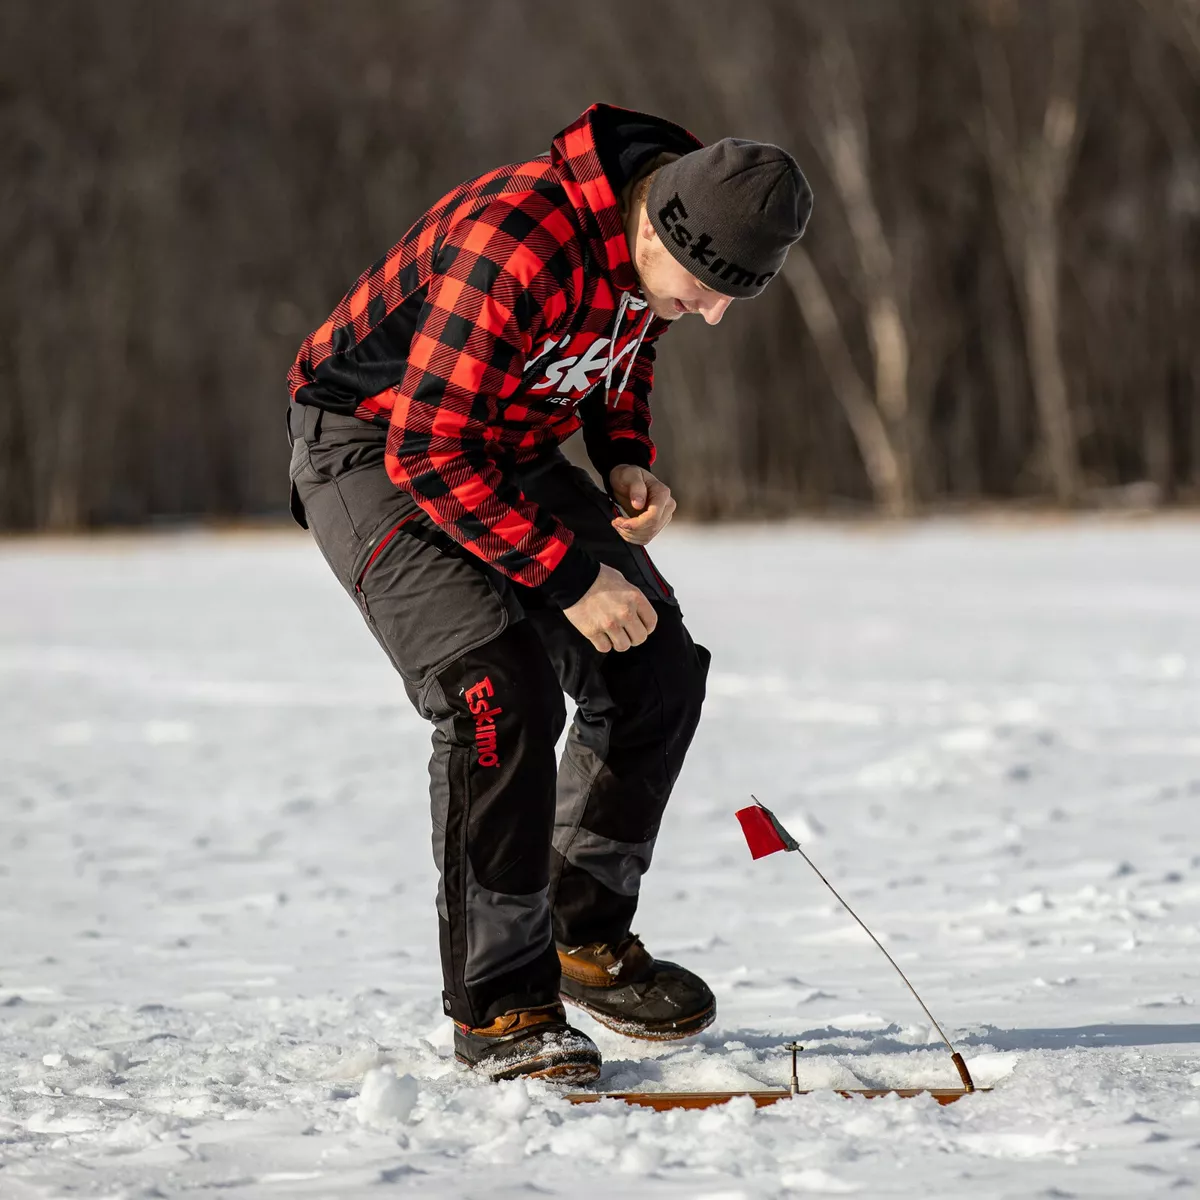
(439, 340)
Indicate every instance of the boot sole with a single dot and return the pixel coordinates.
(674, 1032)
(554, 1069)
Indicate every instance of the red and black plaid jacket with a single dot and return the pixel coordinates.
(505, 319)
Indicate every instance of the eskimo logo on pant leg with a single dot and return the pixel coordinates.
(485, 721)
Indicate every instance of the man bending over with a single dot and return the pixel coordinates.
(426, 418)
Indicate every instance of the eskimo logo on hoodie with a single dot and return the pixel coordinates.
(573, 376)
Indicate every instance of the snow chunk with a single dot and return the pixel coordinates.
(386, 1099)
(1034, 902)
(813, 1179)
(113, 1061)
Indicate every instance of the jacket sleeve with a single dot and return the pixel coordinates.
(488, 300)
(617, 430)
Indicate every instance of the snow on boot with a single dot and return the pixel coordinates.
(531, 1043)
(642, 997)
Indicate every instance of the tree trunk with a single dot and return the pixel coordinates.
(870, 433)
(1040, 284)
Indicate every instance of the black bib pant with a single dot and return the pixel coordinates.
(528, 851)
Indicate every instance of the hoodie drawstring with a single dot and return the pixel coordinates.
(612, 341)
(627, 302)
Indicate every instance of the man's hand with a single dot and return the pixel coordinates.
(647, 498)
(612, 614)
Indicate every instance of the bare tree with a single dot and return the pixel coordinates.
(890, 475)
(1030, 159)
(1180, 21)
(879, 415)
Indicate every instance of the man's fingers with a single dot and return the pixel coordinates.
(637, 532)
(646, 613)
(654, 517)
(664, 504)
(634, 537)
(612, 614)
(659, 493)
(643, 517)
(620, 639)
(641, 521)
(637, 496)
(637, 631)
(634, 626)
(633, 630)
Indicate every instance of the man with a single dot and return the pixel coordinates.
(426, 417)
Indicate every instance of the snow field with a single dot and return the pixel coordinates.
(217, 944)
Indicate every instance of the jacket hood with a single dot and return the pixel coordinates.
(596, 156)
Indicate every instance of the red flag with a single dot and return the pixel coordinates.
(764, 834)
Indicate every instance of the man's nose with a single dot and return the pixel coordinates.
(714, 310)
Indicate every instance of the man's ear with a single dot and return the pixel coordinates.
(648, 232)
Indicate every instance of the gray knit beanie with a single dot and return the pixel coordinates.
(730, 211)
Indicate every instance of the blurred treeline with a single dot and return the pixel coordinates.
(998, 298)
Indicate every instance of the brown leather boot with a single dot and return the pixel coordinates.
(535, 1043)
(642, 997)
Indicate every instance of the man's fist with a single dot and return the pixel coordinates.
(646, 498)
(612, 614)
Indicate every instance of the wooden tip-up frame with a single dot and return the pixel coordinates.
(661, 1101)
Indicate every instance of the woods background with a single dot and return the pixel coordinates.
(998, 297)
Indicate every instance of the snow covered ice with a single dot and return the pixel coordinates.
(218, 968)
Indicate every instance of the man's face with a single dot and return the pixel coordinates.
(670, 289)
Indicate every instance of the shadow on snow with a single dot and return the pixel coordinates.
(830, 1040)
